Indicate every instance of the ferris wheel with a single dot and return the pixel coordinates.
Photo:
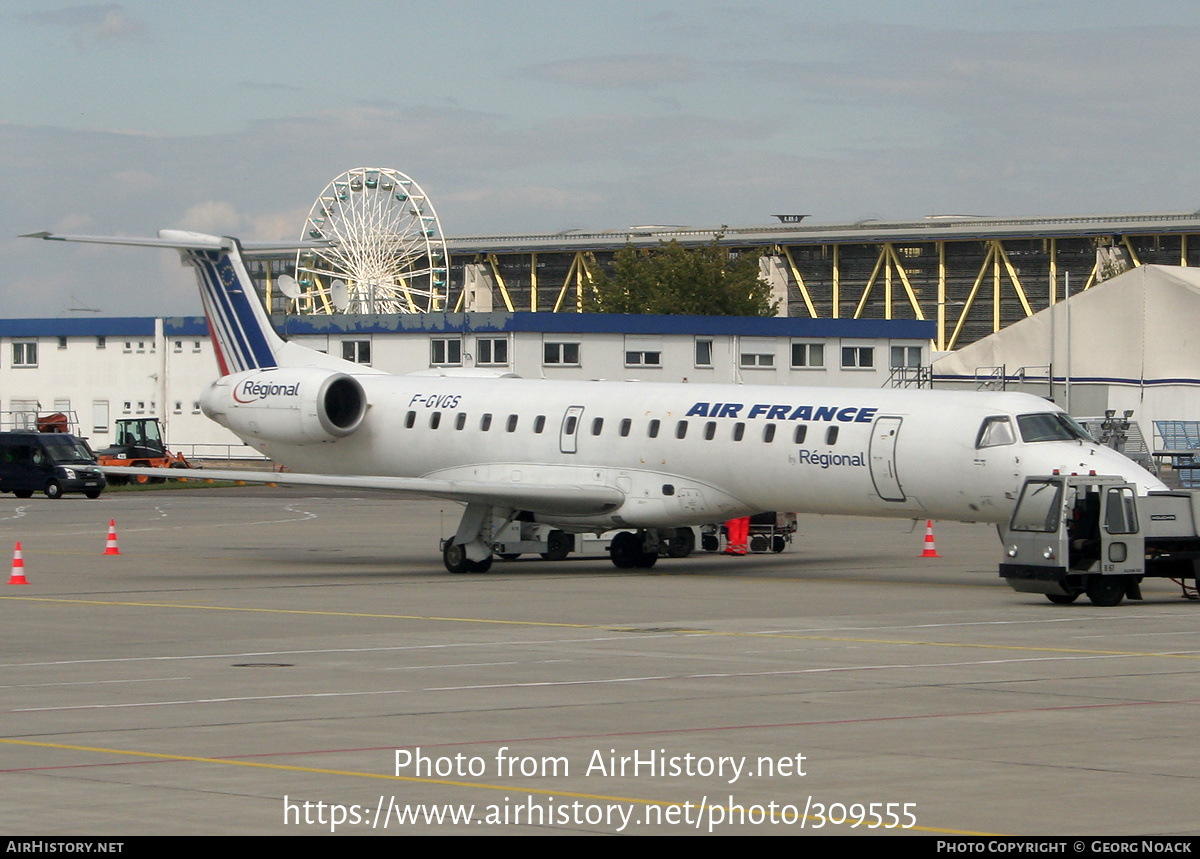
(387, 251)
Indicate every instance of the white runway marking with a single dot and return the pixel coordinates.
(554, 683)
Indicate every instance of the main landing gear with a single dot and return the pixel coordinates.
(631, 551)
(454, 556)
(486, 532)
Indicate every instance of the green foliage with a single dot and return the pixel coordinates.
(671, 279)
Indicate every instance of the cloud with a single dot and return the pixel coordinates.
(620, 71)
(100, 24)
(269, 87)
(212, 216)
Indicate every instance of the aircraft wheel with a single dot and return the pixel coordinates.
(454, 556)
(1106, 590)
(1062, 599)
(480, 566)
(558, 546)
(53, 490)
(626, 551)
(23, 493)
(681, 543)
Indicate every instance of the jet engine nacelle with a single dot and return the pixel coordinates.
(294, 405)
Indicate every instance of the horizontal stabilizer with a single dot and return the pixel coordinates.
(182, 240)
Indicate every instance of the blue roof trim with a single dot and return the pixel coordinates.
(102, 326)
(457, 323)
(112, 326)
(605, 323)
(1092, 380)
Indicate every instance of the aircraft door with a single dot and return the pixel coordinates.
(883, 459)
(570, 430)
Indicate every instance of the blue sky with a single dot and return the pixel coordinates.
(232, 116)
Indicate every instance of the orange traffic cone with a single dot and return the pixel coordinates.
(18, 568)
(111, 547)
(930, 548)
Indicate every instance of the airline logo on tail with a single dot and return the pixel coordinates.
(239, 334)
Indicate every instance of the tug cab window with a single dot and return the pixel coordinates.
(995, 431)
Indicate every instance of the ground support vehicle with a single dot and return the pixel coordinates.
(1094, 535)
(140, 445)
(769, 532)
(53, 463)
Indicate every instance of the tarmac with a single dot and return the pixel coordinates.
(283, 661)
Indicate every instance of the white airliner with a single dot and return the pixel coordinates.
(595, 456)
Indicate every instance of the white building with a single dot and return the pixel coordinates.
(106, 369)
(1128, 343)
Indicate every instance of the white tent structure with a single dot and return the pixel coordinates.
(1134, 343)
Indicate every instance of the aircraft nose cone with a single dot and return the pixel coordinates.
(1107, 461)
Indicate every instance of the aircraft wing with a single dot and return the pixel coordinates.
(563, 499)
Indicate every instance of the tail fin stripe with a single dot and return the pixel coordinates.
(221, 315)
(244, 345)
(237, 279)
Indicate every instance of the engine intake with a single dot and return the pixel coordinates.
(295, 405)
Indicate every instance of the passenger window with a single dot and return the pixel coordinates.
(434, 420)
(995, 431)
(460, 421)
(569, 426)
(652, 430)
(409, 420)
(681, 429)
(831, 435)
(626, 425)
(512, 424)
(739, 431)
(710, 430)
(597, 425)
(769, 433)
(485, 422)
(801, 433)
(539, 423)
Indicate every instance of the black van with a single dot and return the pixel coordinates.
(53, 463)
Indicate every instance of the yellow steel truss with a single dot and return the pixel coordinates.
(887, 262)
(888, 275)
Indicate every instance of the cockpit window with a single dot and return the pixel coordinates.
(995, 431)
(1051, 426)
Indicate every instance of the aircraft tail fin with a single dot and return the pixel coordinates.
(241, 331)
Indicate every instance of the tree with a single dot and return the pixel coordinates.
(670, 279)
